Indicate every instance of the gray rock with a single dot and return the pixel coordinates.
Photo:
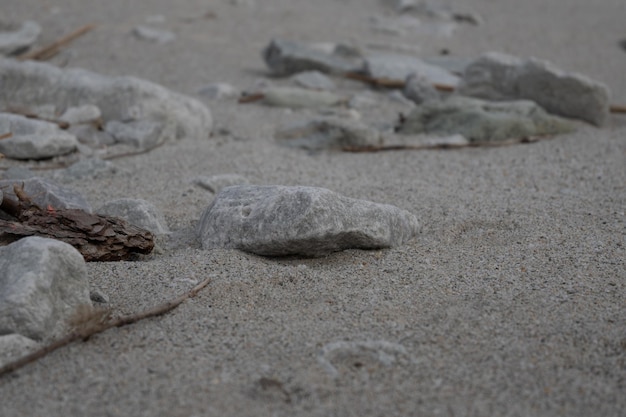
(89, 168)
(29, 84)
(308, 221)
(314, 80)
(82, 114)
(33, 139)
(399, 67)
(418, 89)
(142, 134)
(299, 98)
(45, 193)
(18, 173)
(13, 346)
(14, 39)
(42, 284)
(140, 213)
(455, 64)
(98, 296)
(329, 134)
(216, 183)
(91, 136)
(497, 76)
(218, 91)
(285, 58)
(483, 121)
(153, 35)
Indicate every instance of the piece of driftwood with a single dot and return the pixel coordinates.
(51, 50)
(96, 237)
(93, 321)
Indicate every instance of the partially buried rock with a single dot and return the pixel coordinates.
(497, 76)
(17, 38)
(299, 98)
(308, 221)
(142, 134)
(138, 212)
(46, 193)
(314, 80)
(329, 134)
(483, 121)
(399, 67)
(418, 89)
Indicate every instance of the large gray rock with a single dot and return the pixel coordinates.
(29, 84)
(309, 221)
(329, 134)
(33, 139)
(140, 213)
(14, 346)
(483, 121)
(14, 38)
(42, 283)
(45, 193)
(399, 67)
(497, 76)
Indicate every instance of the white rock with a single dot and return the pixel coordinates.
(329, 133)
(314, 80)
(309, 221)
(14, 40)
(399, 67)
(142, 134)
(218, 91)
(42, 283)
(140, 213)
(82, 114)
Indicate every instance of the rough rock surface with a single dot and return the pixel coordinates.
(43, 281)
(308, 221)
(45, 193)
(140, 213)
(329, 134)
(483, 121)
(497, 76)
(28, 84)
(13, 346)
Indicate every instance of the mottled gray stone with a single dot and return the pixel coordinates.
(98, 296)
(45, 193)
(88, 168)
(81, 114)
(218, 91)
(329, 134)
(497, 76)
(18, 173)
(91, 136)
(42, 283)
(14, 38)
(13, 346)
(285, 58)
(216, 183)
(483, 121)
(153, 35)
(314, 80)
(28, 84)
(142, 134)
(418, 89)
(299, 98)
(140, 213)
(399, 67)
(308, 221)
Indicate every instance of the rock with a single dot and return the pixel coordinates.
(33, 139)
(454, 64)
(88, 168)
(286, 58)
(216, 183)
(153, 35)
(82, 114)
(29, 84)
(98, 296)
(314, 80)
(142, 134)
(18, 173)
(329, 134)
(42, 284)
(13, 346)
(418, 89)
(308, 221)
(299, 98)
(483, 121)
(218, 91)
(91, 136)
(497, 76)
(14, 40)
(399, 67)
(140, 213)
(45, 193)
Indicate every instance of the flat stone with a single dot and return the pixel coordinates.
(153, 35)
(418, 89)
(307, 221)
(15, 39)
(483, 121)
(89, 168)
(286, 58)
(218, 91)
(46, 193)
(42, 283)
(13, 346)
(216, 183)
(138, 212)
(29, 84)
(297, 98)
(399, 67)
(314, 80)
(142, 134)
(497, 76)
(91, 136)
(81, 114)
(329, 134)
(18, 173)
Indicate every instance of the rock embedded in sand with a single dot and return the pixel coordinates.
(307, 221)
(297, 98)
(138, 212)
(399, 67)
(497, 76)
(314, 80)
(15, 39)
(329, 134)
(42, 283)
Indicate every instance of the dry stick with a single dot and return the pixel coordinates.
(617, 108)
(85, 334)
(50, 50)
(6, 135)
(249, 98)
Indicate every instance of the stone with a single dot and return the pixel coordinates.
(88, 168)
(33, 139)
(87, 113)
(314, 80)
(286, 58)
(14, 39)
(98, 296)
(218, 91)
(29, 84)
(216, 183)
(13, 346)
(307, 221)
(153, 35)
(46, 193)
(483, 121)
(138, 212)
(399, 67)
(18, 173)
(418, 89)
(329, 134)
(297, 98)
(90, 135)
(43, 282)
(497, 76)
(142, 134)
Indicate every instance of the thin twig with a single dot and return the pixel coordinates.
(50, 50)
(617, 108)
(250, 98)
(87, 333)
(6, 135)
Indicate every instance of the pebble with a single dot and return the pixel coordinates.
(399, 67)
(418, 89)
(142, 134)
(81, 114)
(329, 134)
(314, 80)
(138, 212)
(154, 35)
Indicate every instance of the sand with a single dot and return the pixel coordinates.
(511, 301)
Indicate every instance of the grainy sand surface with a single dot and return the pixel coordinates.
(511, 301)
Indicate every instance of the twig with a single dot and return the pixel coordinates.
(85, 334)
(250, 98)
(617, 108)
(50, 50)
(6, 135)
(433, 146)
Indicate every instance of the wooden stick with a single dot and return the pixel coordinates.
(87, 333)
(6, 135)
(617, 108)
(50, 50)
